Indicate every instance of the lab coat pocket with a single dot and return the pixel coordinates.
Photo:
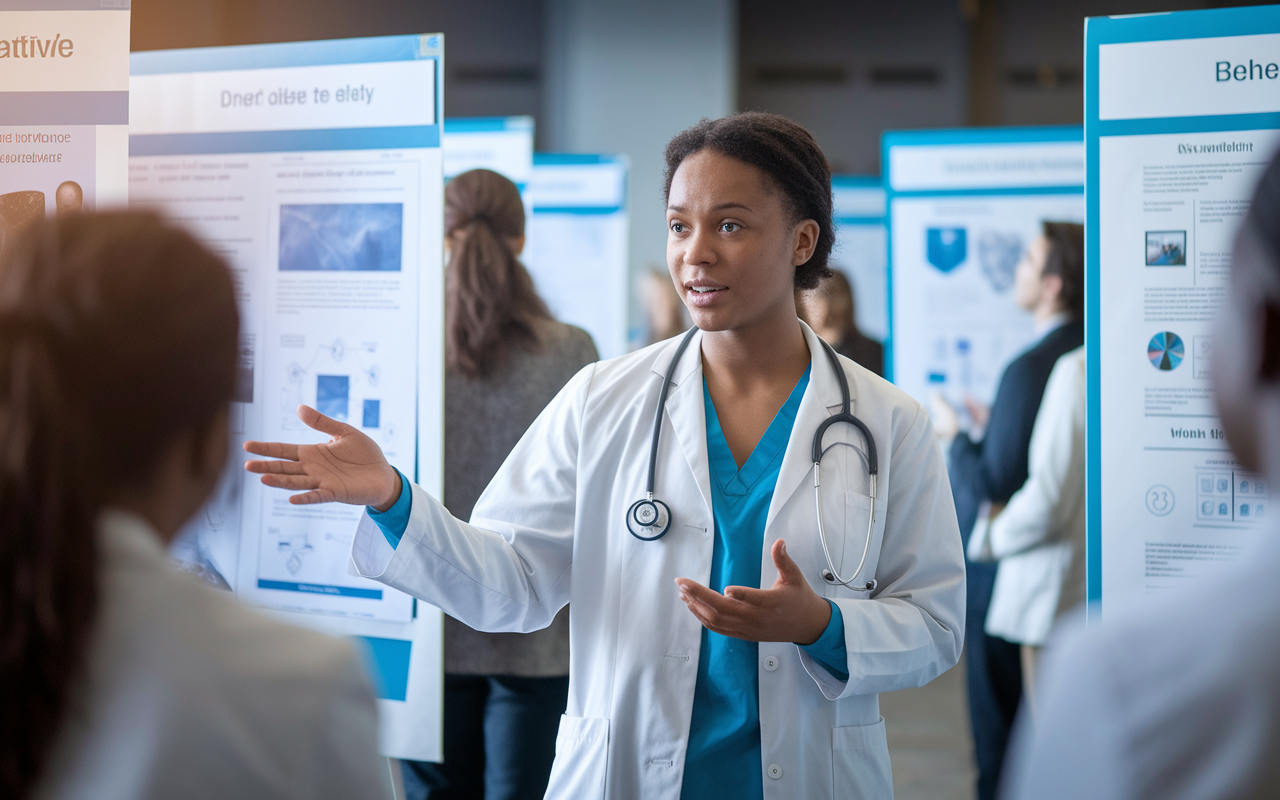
(860, 762)
(582, 750)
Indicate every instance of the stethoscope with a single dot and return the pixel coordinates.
(650, 519)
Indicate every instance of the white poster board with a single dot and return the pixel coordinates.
(861, 250)
(64, 109)
(315, 170)
(577, 251)
(1182, 114)
(963, 207)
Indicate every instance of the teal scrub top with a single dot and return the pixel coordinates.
(723, 757)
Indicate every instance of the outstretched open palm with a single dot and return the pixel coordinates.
(349, 468)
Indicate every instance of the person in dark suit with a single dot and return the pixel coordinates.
(986, 472)
(830, 311)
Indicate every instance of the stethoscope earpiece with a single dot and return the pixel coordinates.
(829, 577)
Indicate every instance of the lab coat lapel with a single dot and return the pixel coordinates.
(686, 411)
(821, 399)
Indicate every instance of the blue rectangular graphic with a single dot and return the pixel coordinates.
(372, 414)
(332, 395)
(346, 237)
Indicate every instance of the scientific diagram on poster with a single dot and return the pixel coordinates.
(963, 206)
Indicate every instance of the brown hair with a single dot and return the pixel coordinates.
(1066, 260)
(491, 302)
(118, 335)
(789, 157)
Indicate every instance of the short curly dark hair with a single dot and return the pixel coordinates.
(787, 154)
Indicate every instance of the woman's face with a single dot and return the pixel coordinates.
(732, 247)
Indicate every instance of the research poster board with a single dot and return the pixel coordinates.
(64, 109)
(577, 249)
(861, 250)
(1182, 114)
(963, 205)
(502, 144)
(315, 170)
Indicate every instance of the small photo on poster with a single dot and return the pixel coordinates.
(44, 170)
(1166, 248)
(341, 237)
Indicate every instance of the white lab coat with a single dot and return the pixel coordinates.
(191, 695)
(550, 530)
(1039, 538)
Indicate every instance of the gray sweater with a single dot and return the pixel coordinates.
(483, 420)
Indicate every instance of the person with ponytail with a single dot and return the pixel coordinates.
(123, 677)
(506, 358)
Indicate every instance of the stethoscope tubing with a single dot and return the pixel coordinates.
(830, 575)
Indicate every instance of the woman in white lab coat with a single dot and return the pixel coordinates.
(653, 653)
(123, 677)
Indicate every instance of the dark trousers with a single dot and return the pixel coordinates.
(994, 669)
(499, 739)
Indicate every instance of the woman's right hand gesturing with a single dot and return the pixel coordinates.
(349, 468)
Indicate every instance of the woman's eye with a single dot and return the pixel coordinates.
(677, 227)
(729, 227)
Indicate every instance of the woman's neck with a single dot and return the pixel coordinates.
(771, 350)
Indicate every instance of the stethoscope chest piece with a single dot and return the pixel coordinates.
(648, 519)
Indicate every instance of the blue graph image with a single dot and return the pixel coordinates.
(946, 248)
(341, 237)
(332, 395)
(372, 414)
(1166, 351)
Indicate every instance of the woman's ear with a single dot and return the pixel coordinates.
(804, 241)
(1051, 289)
(516, 243)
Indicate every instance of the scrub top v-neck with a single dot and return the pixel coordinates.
(723, 758)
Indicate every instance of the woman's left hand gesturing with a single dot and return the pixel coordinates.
(788, 611)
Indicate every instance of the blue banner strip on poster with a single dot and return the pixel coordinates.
(64, 5)
(589, 210)
(368, 50)
(387, 661)
(320, 588)
(855, 182)
(182, 144)
(1199, 24)
(487, 124)
(571, 159)
(997, 190)
(859, 220)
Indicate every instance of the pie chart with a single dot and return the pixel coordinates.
(1166, 350)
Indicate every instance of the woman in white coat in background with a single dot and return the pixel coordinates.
(687, 678)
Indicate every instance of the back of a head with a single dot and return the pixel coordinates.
(841, 309)
(118, 336)
(491, 303)
(1065, 259)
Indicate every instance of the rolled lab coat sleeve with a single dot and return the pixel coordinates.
(508, 569)
(912, 627)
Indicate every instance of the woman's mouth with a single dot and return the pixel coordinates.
(703, 294)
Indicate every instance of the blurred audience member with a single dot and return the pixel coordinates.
(831, 310)
(1177, 699)
(123, 677)
(1039, 537)
(1049, 284)
(665, 314)
(506, 359)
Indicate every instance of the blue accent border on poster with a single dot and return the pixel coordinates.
(960, 136)
(487, 124)
(585, 160)
(1199, 24)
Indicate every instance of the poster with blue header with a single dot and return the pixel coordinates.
(963, 206)
(861, 252)
(315, 170)
(1182, 114)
